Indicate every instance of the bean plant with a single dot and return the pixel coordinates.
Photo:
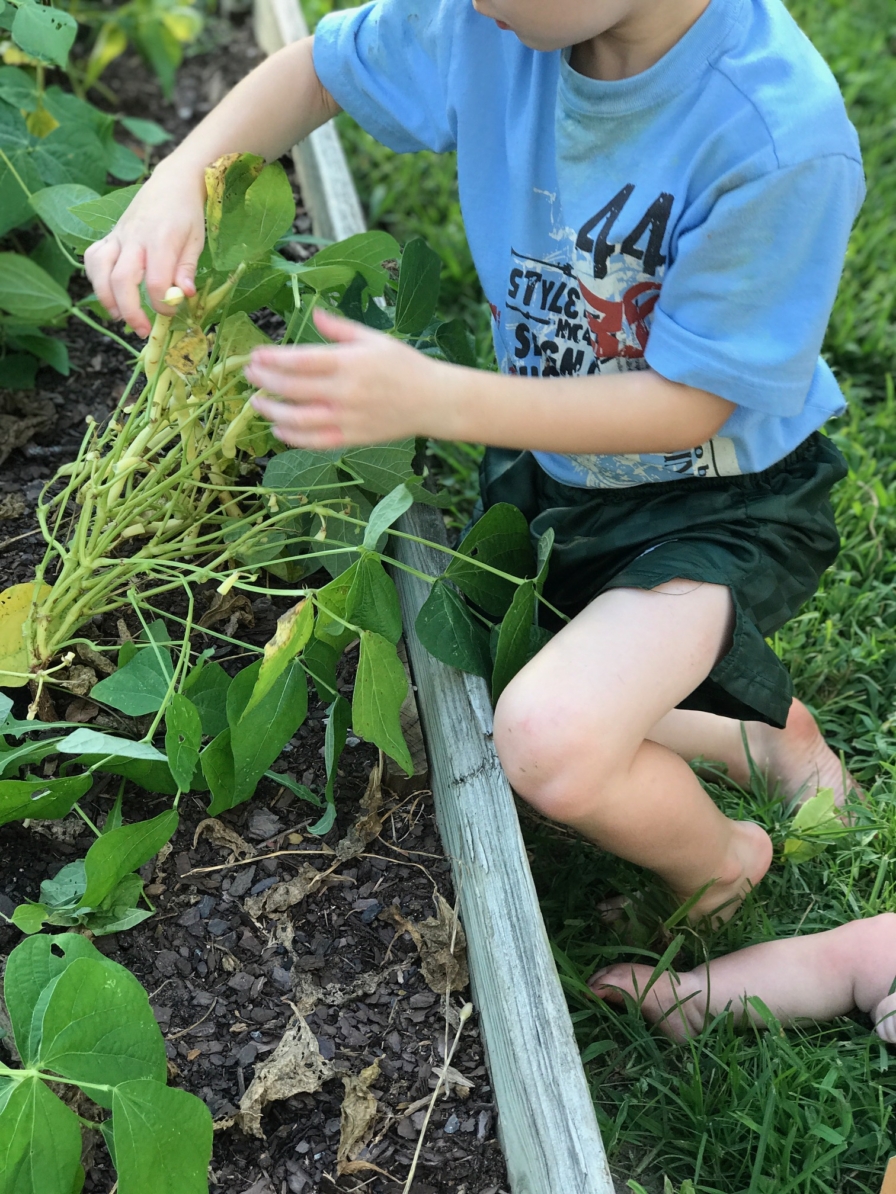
(183, 485)
(82, 1022)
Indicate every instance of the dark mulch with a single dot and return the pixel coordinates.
(225, 981)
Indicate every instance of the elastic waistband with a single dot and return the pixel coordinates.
(815, 446)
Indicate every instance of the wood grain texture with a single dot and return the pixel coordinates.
(547, 1124)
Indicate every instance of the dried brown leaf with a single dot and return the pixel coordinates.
(295, 1067)
(12, 505)
(442, 944)
(225, 606)
(187, 356)
(222, 835)
(369, 824)
(81, 710)
(79, 679)
(359, 1109)
(96, 659)
(285, 895)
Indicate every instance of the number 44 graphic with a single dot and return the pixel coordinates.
(652, 224)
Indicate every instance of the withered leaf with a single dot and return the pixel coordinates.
(223, 607)
(222, 835)
(359, 1109)
(369, 824)
(295, 1067)
(442, 944)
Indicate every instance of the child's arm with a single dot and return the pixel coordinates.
(368, 388)
(160, 236)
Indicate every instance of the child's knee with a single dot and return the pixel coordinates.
(551, 757)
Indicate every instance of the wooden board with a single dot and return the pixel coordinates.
(547, 1123)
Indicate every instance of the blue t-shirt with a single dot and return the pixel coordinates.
(693, 218)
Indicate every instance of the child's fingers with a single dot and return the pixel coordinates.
(160, 276)
(342, 331)
(278, 364)
(185, 276)
(99, 261)
(126, 277)
(308, 417)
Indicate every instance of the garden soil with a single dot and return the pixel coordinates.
(261, 927)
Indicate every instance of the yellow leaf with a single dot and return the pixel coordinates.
(15, 658)
(215, 181)
(111, 42)
(189, 354)
(818, 819)
(182, 23)
(13, 56)
(292, 634)
(40, 122)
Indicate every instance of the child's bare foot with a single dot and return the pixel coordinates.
(798, 758)
(749, 857)
(818, 977)
(672, 1003)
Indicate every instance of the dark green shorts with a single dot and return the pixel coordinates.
(767, 536)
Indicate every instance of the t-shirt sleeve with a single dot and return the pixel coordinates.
(388, 65)
(746, 301)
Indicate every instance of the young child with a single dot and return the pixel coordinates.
(804, 978)
(658, 196)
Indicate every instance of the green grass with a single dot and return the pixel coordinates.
(808, 1111)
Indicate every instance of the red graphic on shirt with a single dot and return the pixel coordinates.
(616, 324)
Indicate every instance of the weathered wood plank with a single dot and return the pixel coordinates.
(324, 176)
(547, 1124)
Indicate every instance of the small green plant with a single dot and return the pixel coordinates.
(82, 1022)
(56, 151)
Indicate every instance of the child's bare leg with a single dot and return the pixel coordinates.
(817, 977)
(796, 758)
(571, 731)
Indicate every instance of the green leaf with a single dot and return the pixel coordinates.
(30, 918)
(500, 539)
(302, 475)
(456, 344)
(544, 552)
(163, 1139)
(40, 799)
(146, 131)
(151, 774)
(293, 631)
(32, 967)
(339, 720)
(45, 33)
(40, 1141)
(27, 291)
(48, 255)
(183, 739)
(18, 88)
(262, 731)
(257, 288)
(819, 819)
(514, 639)
(122, 851)
(53, 352)
(122, 162)
(383, 466)
(207, 686)
(66, 887)
(381, 686)
(418, 288)
(101, 215)
(372, 601)
(92, 742)
(337, 265)
(250, 206)
(54, 204)
(140, 686)
(320, 660)
(448, 630)
(238, 335)
(385, 514)
(332, 599)
(216, 762)
(16, 143)
(98, 1028)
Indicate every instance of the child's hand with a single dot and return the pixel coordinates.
(364, 389)
(158, 238)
